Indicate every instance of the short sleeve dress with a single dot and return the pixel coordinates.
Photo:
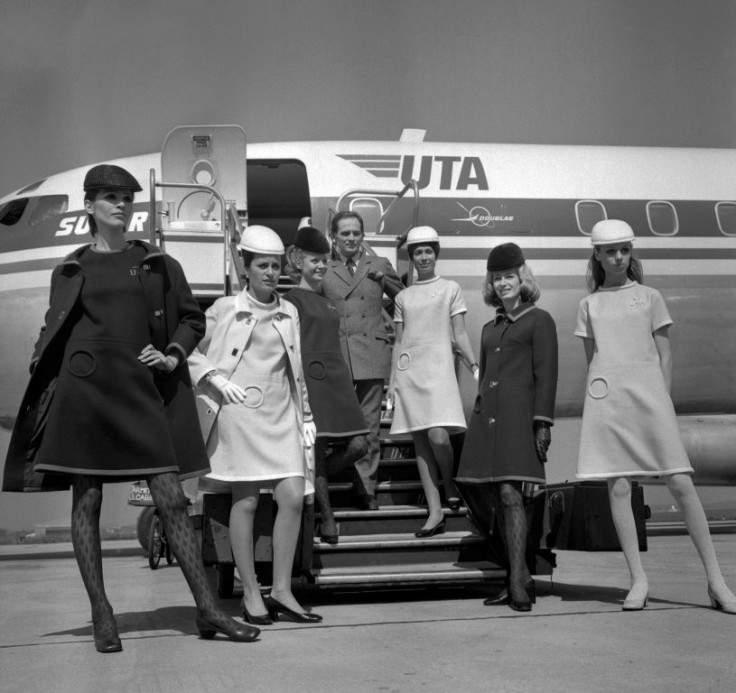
(629, 424)
(425, 385)
(332, 398)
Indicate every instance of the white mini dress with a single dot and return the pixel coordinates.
(629, 424)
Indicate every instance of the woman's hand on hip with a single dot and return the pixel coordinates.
(231, 393)
(154, 358)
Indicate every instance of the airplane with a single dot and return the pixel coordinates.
(680, 202)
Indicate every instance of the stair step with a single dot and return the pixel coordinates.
(405, 574)
(392, 511)
(385, 542)
(383, 486)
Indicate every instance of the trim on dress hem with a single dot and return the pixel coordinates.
(493, 479)
(116, 473)
(230, 479)
(452, 428)
(342, 434)
(616, 475)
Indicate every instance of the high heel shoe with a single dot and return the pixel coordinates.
(105, 632)
(454, 504)
(254, 619)
(718, 605)
(278, 612)
(439, 528)
(531, 590)
(500, 598)
(217, 622)
(635, 604)
(520, 604)
(331, 539)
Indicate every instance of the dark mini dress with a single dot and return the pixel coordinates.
(334, 404)
(108, 417)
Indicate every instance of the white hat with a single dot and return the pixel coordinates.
(422, 234)
(611, 231)
(261, 240)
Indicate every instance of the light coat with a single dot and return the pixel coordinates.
(230, 324)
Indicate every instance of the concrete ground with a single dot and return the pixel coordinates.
(576, 638)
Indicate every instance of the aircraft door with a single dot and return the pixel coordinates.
(212, 155)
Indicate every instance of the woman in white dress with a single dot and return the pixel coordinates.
(629, 424)
(430, 315)
(249, 368)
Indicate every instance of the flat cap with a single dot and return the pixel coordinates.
(109, 176)
(505, 256)
(312, 240)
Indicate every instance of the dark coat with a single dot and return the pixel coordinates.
(167, 295)
(518, 383)
(364, 340)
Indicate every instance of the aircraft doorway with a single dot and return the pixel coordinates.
(278, 195)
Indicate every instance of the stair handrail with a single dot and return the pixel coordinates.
(153, 183)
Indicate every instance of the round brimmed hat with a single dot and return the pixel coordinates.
(505, 256)
(312, 240)
(261, 240)
(109, 176)
(422, 234)
(611, 231)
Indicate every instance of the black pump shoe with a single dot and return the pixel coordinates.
(439, 528)
(278, 612)
(523, 604)
(106, 637)
(255, 619)
(220, 623)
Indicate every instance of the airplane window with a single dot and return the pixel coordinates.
(47, 207)
(662, 218)
(12, 212)
(588, 213)
(726, 216)
(371, 210)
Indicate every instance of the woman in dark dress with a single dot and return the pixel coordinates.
(120, 325)
(336, 410)
(509, 429)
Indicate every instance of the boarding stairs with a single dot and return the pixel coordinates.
(198, 218)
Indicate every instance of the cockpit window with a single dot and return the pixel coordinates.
(12, 211)
(47, 207)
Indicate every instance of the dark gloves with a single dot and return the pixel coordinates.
(542, 439)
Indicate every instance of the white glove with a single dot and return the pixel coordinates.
(231, 393)
(475, 371)
(310, 433)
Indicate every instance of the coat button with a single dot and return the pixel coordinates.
(62, 314)
(497, 349)
(493, 383)
(491, 421)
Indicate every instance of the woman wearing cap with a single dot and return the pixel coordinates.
(248, 369)
(509, 429)
(337, 413)
(429, 316)
(120, 325)
(629, 423)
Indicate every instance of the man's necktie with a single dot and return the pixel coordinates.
(350, 264)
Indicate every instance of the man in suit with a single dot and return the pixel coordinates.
(355, 283)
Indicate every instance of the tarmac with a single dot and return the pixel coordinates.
(575, 639)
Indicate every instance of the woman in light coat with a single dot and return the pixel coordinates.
(248, 369)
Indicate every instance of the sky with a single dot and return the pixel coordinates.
(84, 81)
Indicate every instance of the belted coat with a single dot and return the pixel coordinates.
(176, 323)
(364, 339)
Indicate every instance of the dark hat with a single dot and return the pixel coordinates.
(109, 176)
(505, 256)
(312, 240)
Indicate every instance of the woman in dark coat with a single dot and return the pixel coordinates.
(509, 430)
(120, 324)
(335, 406)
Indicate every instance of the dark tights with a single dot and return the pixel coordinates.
(511, 518)
(328, 465)
(171, 503)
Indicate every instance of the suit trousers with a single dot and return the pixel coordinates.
(370, 396)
